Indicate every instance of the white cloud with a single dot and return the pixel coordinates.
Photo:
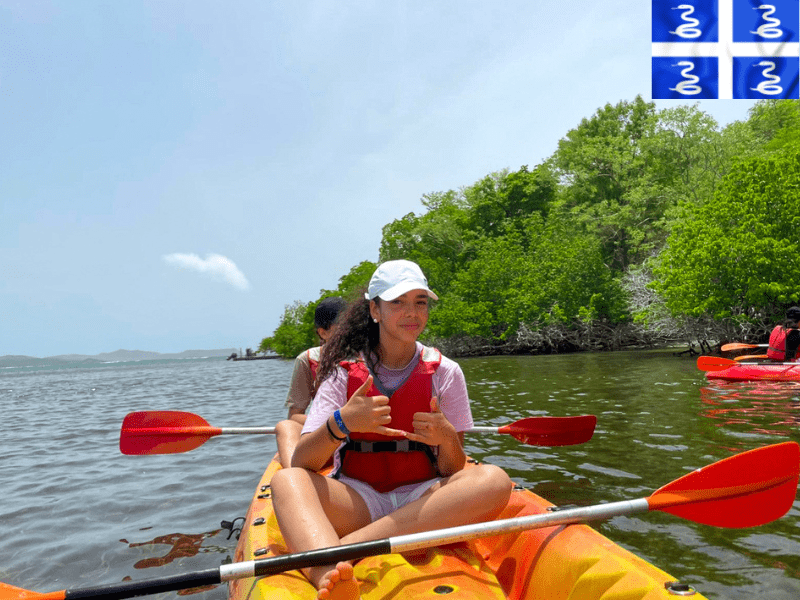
(218, 267)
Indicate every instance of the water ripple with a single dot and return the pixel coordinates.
(69, 495)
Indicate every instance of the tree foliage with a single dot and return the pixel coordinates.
(640, 221)
(296, 331)
(548, 272)
(776, 123)
(499, 201)
(628, 167)
(439, 241)
(738, 254)
(602, 162)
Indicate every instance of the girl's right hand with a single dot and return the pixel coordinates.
(368, 414)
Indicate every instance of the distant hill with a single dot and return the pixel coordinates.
(12, 360)
(129, 355)
(117, 356)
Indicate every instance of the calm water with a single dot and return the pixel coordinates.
(74, 512)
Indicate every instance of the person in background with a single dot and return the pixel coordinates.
(393, 420)
(785, 338)
(301, 388)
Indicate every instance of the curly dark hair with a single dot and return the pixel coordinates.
(357, 335)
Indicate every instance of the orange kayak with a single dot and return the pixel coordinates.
(572, 562)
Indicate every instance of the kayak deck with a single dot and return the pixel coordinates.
(572, 562)
(755, 372)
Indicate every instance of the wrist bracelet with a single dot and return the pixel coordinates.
(333, 435)
(337, 416)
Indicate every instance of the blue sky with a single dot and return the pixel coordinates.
(173, 173)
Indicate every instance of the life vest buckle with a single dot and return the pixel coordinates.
(391, 446)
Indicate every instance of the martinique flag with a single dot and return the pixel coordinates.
(725, 48)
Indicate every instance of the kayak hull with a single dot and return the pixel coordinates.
(757, 372)
(567, 562)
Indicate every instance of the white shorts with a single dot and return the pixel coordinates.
(381, 504)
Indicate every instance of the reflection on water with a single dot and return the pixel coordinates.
(768, 407)
(658, 418)
(181, 546)
(68, 494)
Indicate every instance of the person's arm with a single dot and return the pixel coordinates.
(361, 413)
(316, 447)
(450, 416)
(294, 411)
(452, 459)
(301, 386)
(316, 443)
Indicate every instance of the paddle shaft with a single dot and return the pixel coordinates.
(774, 364)
(404, 543)
(744, 490)
(156, 431)
(171, 432)
(426, 539)
(483, 429)
(204, 431)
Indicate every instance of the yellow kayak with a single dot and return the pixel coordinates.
(572, 562)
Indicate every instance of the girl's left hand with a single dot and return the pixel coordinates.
(432, 428)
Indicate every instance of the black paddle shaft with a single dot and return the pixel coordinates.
(130, 589)
(323, 556)
(257, 568)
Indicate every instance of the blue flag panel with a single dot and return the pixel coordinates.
(685, 77)
(756, 77)
(685, 21)
(769, 21)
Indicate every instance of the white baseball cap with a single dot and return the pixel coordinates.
(394, 278)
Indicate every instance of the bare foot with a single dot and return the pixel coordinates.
(338, 584)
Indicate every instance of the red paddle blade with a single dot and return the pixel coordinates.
(713, 363)
(9, 592)
(750, 357)
(745, 490)
(732, 347)
(164, 432)
(552, 431)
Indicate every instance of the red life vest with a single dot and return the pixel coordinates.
(777, 343)
(386, 462)
(314, 355)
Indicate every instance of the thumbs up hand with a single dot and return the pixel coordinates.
(368, 414)
(431, 428)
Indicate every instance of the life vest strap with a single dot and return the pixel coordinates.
(392, 446)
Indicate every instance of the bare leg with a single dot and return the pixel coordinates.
(469, 496)
(318, 512)
(314, 511)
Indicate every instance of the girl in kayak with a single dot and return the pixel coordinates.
(785, 338)
(393, 421)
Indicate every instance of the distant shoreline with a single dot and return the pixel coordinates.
(107, 357)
